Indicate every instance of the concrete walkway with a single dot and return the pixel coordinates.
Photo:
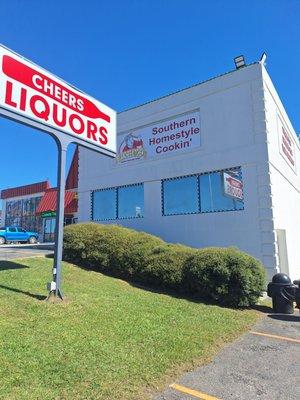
(263, 364)
(12, 251)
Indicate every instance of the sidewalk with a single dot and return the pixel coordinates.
(12, 251)
(253, 367)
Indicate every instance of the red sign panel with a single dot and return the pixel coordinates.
(30, 91)
(233, 187)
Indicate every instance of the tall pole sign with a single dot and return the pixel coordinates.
(35, 97)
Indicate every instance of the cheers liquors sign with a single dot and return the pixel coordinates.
(33, 96)
(169, 137)
(29, 91)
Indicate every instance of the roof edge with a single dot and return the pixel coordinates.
(188, 87)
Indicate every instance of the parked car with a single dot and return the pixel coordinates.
(17, 234)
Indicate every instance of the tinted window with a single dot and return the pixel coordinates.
(131, 201)
(180, 196)
(221, 191)
(105, 204)
(21, 230)
(218, 191)
(12, 230)
(205, 193)
(220, 201)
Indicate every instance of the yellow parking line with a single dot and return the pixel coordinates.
(276, 336)
(192, 392)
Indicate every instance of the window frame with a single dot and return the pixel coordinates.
(92, 204)
(118, 201)
(116, 188)
(163, 196)
(199, 192)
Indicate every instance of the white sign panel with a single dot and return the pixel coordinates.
(31, 92)
(286, 145)
(233, 187)
(169, 137)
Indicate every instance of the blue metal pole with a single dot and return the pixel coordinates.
(55, 290)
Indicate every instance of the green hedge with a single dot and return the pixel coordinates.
(225, 275)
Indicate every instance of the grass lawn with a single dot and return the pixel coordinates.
(110, 340)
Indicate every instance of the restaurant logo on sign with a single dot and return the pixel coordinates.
(233, 187)
(34, 93)
(172, 136)
(131, 148)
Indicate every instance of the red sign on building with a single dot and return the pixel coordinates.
(30, 91)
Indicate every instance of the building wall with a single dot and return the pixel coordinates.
(285, 183)
(233, 133)
(15, 199)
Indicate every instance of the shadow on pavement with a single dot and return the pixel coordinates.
(35, 296)
(4, 265)
(286, 317)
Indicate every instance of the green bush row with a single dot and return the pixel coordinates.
(225, 275)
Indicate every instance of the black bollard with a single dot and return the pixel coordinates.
(282, 292)
(297, 293)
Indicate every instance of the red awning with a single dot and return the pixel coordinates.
(48, 202)
(34, 188)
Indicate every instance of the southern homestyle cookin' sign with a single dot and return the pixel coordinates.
(31, 92)
(172, 136)
(233, 187)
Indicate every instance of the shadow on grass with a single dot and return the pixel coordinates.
(173, 293)
(10, 265)
(51, 255)
(5, 265)
(181, 295)
(262, 309)
(140, 285)
(34, 296)
(197, 298)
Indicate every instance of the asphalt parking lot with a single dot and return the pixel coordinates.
(10, 252)
(263, 364)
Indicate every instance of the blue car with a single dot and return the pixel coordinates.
(16, 234)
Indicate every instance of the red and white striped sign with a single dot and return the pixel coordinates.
(32, 92)
(233, 187)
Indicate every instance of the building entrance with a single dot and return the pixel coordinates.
(49, 230)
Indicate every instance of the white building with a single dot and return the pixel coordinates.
(216, 164)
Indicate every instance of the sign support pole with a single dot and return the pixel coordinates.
(55, 286)
(97, 126)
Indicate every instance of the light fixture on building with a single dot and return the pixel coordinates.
(239, 62)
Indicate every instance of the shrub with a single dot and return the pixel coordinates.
(108, 248)
(227, 276)
(163, 266)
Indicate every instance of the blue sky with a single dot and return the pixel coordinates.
(127, 52)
